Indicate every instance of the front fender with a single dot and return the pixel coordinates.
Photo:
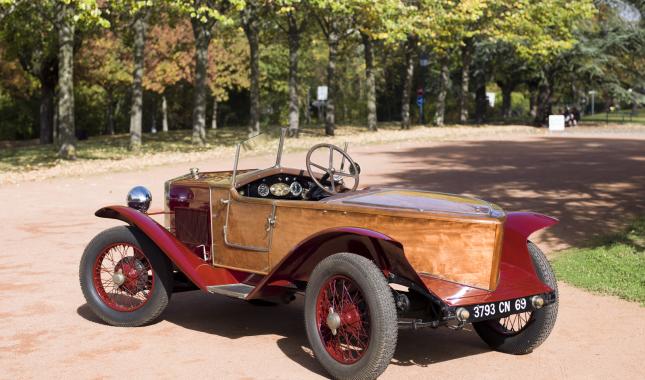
(198, 271)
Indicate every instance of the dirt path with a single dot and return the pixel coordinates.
(591, 182)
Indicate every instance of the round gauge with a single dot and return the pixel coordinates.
(263, 190)
(279, 189)
(296, 189)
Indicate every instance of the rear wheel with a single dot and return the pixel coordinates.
(350, 317)
(523, 332)
(125, 278)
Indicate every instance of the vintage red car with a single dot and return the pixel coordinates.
(367, 261)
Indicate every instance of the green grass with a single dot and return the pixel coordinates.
(613, 265)
(623, 116)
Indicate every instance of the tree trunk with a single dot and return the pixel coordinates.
(481, 101)
(250, 24)
(203, 35)
(164, 113)
(109, 130)
(368, 45)
(533, 95)
(466, 59)
(47, 93)
(65, 26)
(543, 102)
(136, 108)
(214, 119)
(153, 117)
(507, 91)
(333, 40)
(408, 74)
(441, 97)
(294, 101)
(308, 108)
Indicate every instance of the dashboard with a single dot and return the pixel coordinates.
(279, 186)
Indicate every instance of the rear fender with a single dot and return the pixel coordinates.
(518, 227)
(201, 273)
(298, 264)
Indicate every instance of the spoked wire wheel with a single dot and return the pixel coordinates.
(350, 317)
(521, 333)
(515, 323)
(343, 319)
(123, 277)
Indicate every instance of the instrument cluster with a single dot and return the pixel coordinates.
(279, 186)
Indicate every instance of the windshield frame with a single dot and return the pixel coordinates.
(278, 159)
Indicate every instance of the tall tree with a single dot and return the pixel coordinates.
(335, 20)
(250, 17)
(140, 25)
(204, 14)
(409, 52)
(65, 26)
(292, 20)
(376, 21)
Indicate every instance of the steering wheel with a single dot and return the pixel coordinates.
(329, 169)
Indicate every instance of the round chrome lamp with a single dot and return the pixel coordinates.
(139, 198)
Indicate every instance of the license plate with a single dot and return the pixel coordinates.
(499, 309)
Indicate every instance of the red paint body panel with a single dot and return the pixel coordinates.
(517, 277)
(201, 273)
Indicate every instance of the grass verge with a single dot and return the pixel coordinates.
(613, 265)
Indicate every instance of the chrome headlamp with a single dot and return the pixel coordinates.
(139, 198)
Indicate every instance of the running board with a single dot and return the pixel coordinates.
(231, 290)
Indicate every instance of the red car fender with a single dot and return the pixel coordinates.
(201, 273)
(517, 229)
(298, 264)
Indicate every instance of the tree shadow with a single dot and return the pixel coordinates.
(593, 185)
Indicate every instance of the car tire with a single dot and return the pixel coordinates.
(366, 337)
(539, 323)
(146, 290)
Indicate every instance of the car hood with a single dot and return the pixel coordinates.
(422, 201)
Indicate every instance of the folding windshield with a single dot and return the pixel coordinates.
(259, 152)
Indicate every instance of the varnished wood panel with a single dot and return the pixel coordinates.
(463, 252)
(231, 257)
(463, 249)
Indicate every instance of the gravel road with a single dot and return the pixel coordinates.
(592, 183)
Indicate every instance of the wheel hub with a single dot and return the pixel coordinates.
(130, 275)
(333, 321)
(118, 278)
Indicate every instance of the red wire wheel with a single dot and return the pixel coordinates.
(343, 319)
(123, 277)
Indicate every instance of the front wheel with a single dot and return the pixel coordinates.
(350, 317)
(521, 333)
(125, 278)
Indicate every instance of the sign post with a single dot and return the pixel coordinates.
(593, 101)
(420, 101)
(321, 101)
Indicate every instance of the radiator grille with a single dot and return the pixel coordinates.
(192, 225)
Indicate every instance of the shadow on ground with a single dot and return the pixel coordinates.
(592, 185)
(233, 319)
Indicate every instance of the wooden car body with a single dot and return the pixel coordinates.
(451, 250)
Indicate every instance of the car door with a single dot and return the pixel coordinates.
(249, 223)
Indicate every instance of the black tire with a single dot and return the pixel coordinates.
(540, 323)
(381, 317)
(161, 284)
